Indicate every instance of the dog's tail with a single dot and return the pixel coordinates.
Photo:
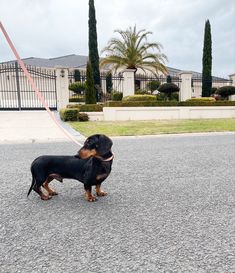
(32, 185)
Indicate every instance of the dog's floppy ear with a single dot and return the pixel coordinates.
(104, 145)
(91, 142)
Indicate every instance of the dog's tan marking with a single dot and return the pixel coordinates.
(89, 197)
(99, 192)
(85, 153)
(50, 191)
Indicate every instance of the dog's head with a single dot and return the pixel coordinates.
(96, 145)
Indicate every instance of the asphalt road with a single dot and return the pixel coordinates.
(170, 209)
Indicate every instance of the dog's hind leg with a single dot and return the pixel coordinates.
(45, 185)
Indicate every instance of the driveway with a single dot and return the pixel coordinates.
(30, 126)
(170, 209)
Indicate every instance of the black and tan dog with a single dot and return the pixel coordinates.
(91, 166)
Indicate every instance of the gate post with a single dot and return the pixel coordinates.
(185, 87)
(62, 87)
(232, 78)
(129, 82)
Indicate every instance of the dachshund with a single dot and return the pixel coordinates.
(91, 166)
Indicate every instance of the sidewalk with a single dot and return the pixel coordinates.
(31, 126)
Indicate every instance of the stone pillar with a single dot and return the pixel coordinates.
(128, 82)
(232, 78)
(186, 86)
(62, 87)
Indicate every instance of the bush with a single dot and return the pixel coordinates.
(168, 89)
(67, 114)
(77, 87)
(141, 92)
(167, 103)
(116, 96)
(74, 106)
(91, 108)
(201, 99)
(140, 98)
(213, 90)
(153, 85)
(226, 91)
(83, 117)
(77, 98)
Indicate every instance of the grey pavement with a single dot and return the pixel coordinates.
(170, 209)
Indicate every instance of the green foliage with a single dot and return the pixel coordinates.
(226, 91)
(109, 82)
(77, 87)
(167, 103)
(77, 75)
(67, 114)
(213, 90)
(91, 108)
(168, 89)
(141, 92)
(93, 47)
(77, 98)
(83, 117)
(207, 61)
(201, 99)
(74, 106)
(90, 97)
(140, 98)
(133, 51)
(175, 96)
(153, 85)
(168, 79)
(116, 96)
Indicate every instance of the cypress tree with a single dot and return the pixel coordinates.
(90, 97)
(93, 47)
(77, 75)
(207, 61)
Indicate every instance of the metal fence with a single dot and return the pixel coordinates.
(109, 83)
(16, 92)
(143, 81)
(217, 82)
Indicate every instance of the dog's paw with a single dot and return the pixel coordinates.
(45, 197)
(90, 198)
(101, 193)
(53, 193)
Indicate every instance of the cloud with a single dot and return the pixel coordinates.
(50, 28)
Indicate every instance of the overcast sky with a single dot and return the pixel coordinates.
(51, 28)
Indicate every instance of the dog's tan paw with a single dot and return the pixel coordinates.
(101, 193)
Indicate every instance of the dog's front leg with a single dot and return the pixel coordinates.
(99, 192)
(88, 194)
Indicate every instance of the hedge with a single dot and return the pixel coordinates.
(91, 108)
(201, 99)
(140, 98)
(167, 103)
(69, 114)
(77, 98)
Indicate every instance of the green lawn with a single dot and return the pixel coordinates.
(134, 128)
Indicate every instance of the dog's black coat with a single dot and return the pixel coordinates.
(90, 171)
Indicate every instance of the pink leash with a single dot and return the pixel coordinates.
(31, 81)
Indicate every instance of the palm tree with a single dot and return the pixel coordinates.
(132, 51)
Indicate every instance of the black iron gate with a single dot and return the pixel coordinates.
(16, 92)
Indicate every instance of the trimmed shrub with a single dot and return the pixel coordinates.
(77, 106)
(140, 98)
(167, 103)
(77, 87)
(141, 92)
(116, 96)
(69, 114)
(77, 98)
(153, 85)
(213, 90)
(91, 108)
(83, 117)
(226, 91)
(77, 75)
(168, 89)
(201, 99)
